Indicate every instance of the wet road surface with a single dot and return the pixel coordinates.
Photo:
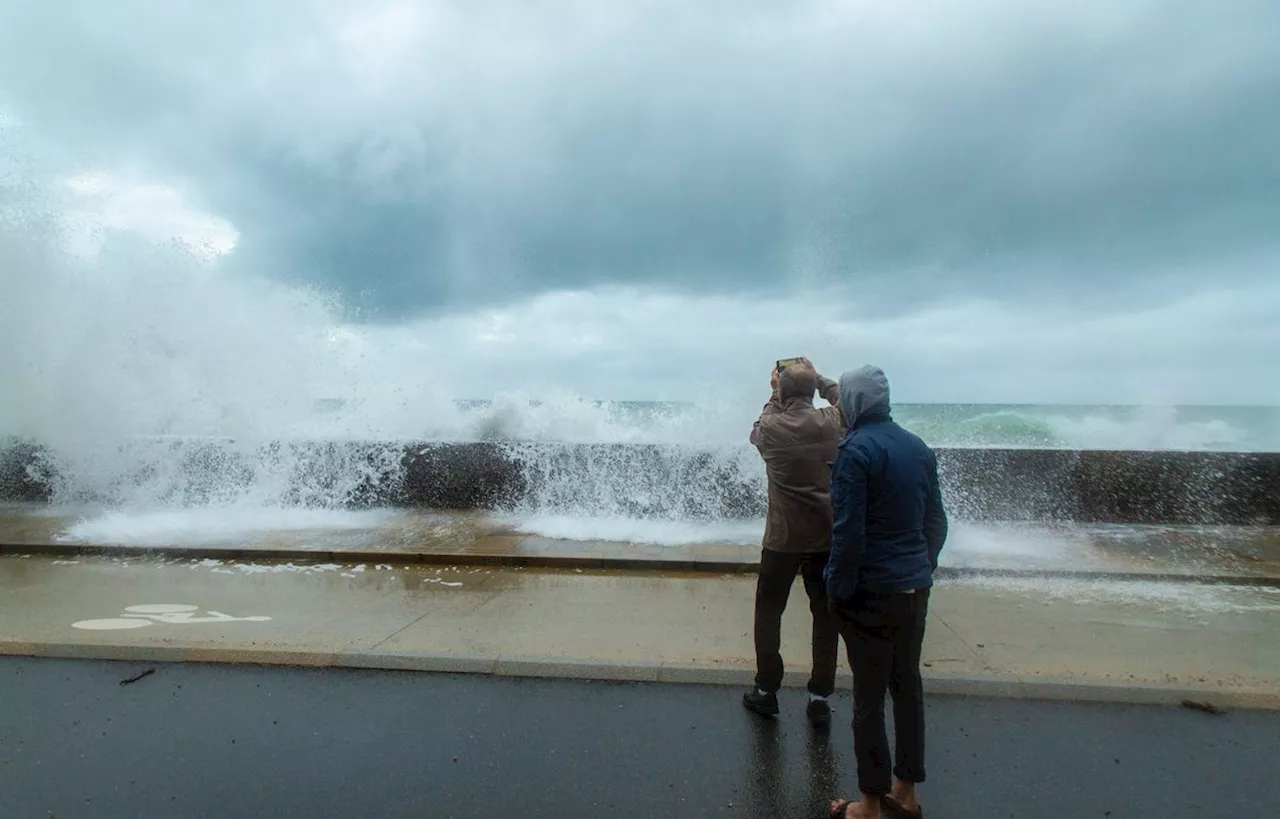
(195, 740)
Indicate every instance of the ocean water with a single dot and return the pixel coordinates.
(1053, 426)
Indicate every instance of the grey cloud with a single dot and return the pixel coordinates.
(959, 149)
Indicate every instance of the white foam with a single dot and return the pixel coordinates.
(636, 530)
(1145, 428)
(968, 545)
(216, 525)
(265, 568)
(996, 546)
(1143, 594)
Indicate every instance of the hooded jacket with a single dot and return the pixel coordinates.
(889, 522)
(798, 442)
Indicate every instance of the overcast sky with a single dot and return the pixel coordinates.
(993, 199)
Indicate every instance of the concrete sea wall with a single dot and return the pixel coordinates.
(666, 481)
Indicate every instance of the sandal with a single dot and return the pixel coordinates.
(840, 810)
(896, 809)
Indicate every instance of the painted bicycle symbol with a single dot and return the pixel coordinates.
(171, 614)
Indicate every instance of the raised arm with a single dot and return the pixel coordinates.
(827, 388)
(772, 407)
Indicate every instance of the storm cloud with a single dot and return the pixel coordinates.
(424, 157)
(410, 201)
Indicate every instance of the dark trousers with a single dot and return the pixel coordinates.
(883, 634)
(773, 587)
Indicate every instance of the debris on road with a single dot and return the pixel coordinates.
(146, 673)
(1207, 707)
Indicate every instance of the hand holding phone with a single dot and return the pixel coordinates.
(783, 363)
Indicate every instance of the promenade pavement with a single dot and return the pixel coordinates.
(1055, 637)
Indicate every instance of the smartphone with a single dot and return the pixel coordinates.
(783, 363)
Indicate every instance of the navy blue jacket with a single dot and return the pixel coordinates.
(889, 520)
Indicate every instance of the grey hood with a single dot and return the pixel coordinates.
(863, 392)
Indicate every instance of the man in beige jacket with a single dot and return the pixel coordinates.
(798, 442)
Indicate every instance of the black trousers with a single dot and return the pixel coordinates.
(883, 634)
(773, 587)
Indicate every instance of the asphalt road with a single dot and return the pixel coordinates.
(196, 740)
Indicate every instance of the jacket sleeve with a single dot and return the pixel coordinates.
(772, 408)
(849, 531)
(935, 516)
(829, 390)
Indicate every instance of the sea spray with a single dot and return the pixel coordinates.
(661, 482)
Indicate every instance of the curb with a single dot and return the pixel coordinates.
(550, 561)
(540, 561)
(995, 686)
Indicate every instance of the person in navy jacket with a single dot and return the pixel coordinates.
(889, 527)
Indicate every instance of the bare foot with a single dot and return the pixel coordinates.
(904, 793)
(856, 810)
